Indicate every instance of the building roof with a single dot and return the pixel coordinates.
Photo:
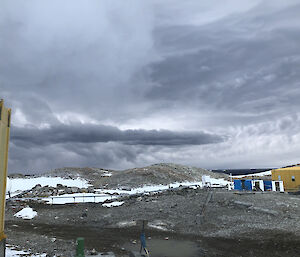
(294, 168)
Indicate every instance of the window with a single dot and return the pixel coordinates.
(293, 178)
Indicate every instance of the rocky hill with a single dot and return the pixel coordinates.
(163, 173)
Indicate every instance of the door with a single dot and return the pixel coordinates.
(243, 184)
(257, 186)
(277, 186)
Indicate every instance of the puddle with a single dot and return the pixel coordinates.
(168, 248)
(112, 239)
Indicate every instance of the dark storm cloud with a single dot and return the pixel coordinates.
(26, 159)
(98, 133)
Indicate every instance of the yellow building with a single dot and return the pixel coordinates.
(290, 177)
(4, 140)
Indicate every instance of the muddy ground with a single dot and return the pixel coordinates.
(230, 224)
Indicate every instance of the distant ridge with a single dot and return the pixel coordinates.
(241, 171)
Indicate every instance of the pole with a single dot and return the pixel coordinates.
(4, 142)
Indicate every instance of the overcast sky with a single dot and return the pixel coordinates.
(119, 84)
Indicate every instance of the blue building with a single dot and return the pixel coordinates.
(254, 185)
(243, 184)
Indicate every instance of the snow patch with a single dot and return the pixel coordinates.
(12, 251)
(26, 213)
(113, 204)
(106, 175)
(124, 224)
(159, 225)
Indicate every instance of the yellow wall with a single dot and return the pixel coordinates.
(285, 175)
(4, 140)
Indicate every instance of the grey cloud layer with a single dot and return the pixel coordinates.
(99, 133)
(74, 55)
(245, 63)
(227, 69)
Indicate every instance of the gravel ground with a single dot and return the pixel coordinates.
(231, 224)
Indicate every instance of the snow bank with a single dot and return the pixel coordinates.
(26, 214)
(108, 194)
(157, 188)
(113, 204)
(149, 188)
(23, 184)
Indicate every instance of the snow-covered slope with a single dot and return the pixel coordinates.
(103, 185)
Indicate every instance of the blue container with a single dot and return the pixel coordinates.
(248, 184)
(268, 185)
(243, 184)
(237, 184)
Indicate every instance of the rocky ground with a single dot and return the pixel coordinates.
(181, 222)
(230, 224)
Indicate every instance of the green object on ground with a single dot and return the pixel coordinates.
(80, 247)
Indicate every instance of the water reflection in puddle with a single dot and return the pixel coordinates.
(168, 248)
